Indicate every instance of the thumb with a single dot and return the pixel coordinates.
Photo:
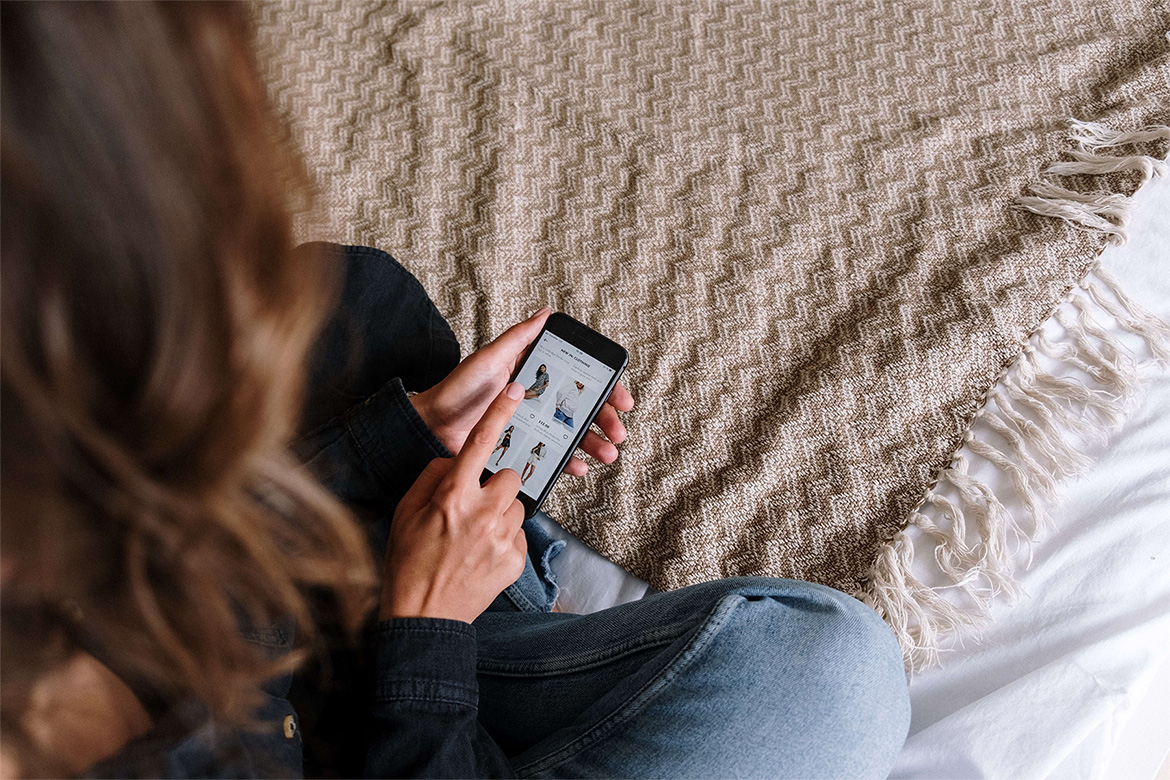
(511, 343)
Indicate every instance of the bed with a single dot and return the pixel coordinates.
(1073, 679)
(516, 155)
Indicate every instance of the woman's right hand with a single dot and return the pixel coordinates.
(456, 544)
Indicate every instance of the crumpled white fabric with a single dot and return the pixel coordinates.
(1051, 683)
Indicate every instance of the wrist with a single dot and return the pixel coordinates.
(421, 404)
(402, 605)
(399, 603)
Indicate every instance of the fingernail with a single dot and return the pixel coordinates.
(538, 312)
(515, 391)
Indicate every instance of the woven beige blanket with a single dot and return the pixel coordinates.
(810, 222)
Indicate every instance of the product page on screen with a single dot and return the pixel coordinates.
(562, 384)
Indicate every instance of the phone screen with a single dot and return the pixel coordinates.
(562, 384)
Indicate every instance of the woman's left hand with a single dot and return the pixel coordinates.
(454, 406)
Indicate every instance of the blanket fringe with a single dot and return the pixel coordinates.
(1058, 394)
(1106, 212)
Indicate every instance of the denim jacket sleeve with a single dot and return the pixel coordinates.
(425, 703)
(370, 455)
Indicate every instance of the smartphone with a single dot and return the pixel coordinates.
(567, 375)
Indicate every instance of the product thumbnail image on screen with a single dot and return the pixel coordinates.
(562, 384)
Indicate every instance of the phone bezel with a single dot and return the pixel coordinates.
(605, 351)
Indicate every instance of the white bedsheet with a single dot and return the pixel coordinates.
(1047, 690)
(1050, 686)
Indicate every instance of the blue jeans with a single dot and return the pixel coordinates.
(746, 677)
(559, 415)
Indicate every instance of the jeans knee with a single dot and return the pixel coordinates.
(834, 665)
(864, 653)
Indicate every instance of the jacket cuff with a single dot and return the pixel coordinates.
(392, 438)
(425, 660)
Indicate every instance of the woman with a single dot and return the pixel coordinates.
(537, 388)
(167, 563)
(536, 454)
(504, 443)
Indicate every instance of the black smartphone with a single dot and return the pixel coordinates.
(567, 375)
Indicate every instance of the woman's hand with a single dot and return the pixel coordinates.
(452, 407)
(455, 544)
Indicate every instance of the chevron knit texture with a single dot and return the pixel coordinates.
(822, 229)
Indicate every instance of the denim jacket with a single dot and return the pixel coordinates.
(423, 705)
(418, 692)
(422, 690)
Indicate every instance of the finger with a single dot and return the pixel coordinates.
(597, 447)
(607, 420)
(424, 487)
(520, 545)
(620, 398)
(576, 467)
(514, 526)
(477, 449)
(503, 485)
(511, 343)
(514, 518)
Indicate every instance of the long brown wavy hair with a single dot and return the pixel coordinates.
(154, 335)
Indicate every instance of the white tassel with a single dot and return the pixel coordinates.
(919, 614)
(1085, 215)
(1063, 458)
(1105, 204)
(1092, 135)
(1105, 212)
(1133, 317)
(1096, 164)
(1037, 418)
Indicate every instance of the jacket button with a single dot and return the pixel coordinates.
(290, 726)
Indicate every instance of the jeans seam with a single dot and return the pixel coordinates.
(404, 687)
(579, 663)
(634, 704)
(430, 337)
(359, 439)
(522, 602)
(521, 671)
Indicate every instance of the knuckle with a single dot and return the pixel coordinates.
(516, 563)
(482, 438)
(501, 484)
(443, 516)
(446, 493)
(449, 505)
(504, 547)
